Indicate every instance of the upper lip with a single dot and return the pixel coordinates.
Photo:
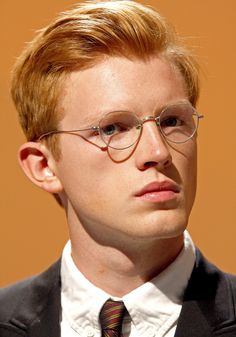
(157, 186)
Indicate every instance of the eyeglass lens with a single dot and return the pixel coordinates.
(121, 129)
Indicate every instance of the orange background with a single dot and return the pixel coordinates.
(33, 228)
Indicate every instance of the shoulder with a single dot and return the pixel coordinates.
(209, 302)
(29, 294)
(232, 281)
(210, 274)
(208, 282)
(204, 267)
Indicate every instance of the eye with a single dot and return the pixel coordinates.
(171, 121)
(109, 130)
(112, 129)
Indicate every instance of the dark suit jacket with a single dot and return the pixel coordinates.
(32, 308)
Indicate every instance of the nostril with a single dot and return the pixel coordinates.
(150, 164)
(166, 163)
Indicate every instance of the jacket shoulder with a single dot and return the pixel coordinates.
(209, 302)
(28, 294)
(232, 280)
(213, 280)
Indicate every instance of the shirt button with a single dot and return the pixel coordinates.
(151, 333)
(90, 333)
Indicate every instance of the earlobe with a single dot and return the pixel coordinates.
(34, 161)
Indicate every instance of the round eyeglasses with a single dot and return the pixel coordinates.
(120, 130)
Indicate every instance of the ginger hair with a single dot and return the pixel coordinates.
(79, 38)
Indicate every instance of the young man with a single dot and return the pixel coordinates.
(106, 97)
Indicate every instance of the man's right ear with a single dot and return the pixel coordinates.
(39, 166)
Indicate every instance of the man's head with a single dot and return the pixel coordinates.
(81, 38)
(95, 59)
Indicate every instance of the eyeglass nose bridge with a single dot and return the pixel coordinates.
(151, 118)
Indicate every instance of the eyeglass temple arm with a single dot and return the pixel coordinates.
(95, 128)
(72, 132)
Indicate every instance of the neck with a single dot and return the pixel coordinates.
(121, 268)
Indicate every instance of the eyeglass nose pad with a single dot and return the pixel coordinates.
(157, 120)
(152, 118)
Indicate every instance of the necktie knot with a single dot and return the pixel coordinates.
(111, 317)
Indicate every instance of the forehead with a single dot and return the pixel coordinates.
(118, 83)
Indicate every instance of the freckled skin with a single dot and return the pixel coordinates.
(106, 220)
(101, 192)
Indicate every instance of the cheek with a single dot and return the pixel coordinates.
(83, 170)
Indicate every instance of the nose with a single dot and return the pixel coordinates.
(152, 149)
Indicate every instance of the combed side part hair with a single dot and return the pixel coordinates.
(80, 38)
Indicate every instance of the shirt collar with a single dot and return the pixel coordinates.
(158, 302)
(155, 302)
(79, 295)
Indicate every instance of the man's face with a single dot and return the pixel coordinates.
(150, 194)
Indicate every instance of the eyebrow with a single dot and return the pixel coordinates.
(90, 121)
(157, 111)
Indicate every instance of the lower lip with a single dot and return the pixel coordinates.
(159, 196)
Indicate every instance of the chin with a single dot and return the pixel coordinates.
(162, 227)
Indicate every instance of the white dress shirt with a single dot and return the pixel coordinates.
(153, 308)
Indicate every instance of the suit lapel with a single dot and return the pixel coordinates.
(208, 308)
(48, 323)
(38, 311)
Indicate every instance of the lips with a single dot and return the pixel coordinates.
(159, 191)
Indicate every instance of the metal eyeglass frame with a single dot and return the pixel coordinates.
(139, 126)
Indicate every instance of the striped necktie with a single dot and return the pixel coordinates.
(111, 318)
